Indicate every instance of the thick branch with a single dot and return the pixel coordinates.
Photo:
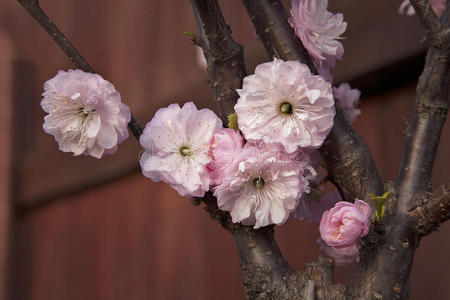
(34, 9)
(265, 272)
(384, 269)
(346, 154)
(224, 56)
(423, 134)
(270, 21)
(426, 14)
(433, 211)
(322, 274)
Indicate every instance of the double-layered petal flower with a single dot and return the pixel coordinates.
(85, 114)
(176, 143)
(284, 103)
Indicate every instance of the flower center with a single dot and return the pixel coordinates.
(286, 108)
(185, 150)
(84, 112)
(259, 183)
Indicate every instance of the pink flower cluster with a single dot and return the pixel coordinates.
(259, 184)
(284, 113)
(260, 177)
(341, 228)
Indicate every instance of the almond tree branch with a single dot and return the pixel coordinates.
(346, 154)
(384, 269)
(270, 21)
(266, 274)
(432, 211)
(224, 56)
(432, 102)
(265, 271)
(423, 134)
(34, 9)
(426, 14)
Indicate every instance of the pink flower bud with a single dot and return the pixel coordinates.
(345, 223)
(224, 147)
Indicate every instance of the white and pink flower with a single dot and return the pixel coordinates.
(284, 103)
(85, 114)
(319, 30)
(176, 143)
(264, 187)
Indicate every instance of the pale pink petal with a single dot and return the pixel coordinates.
(85, 114)
(176, 143)
(263, 185)
(284, 103)
(318, 29)
(345, 223)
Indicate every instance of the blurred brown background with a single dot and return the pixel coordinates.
(81, 228)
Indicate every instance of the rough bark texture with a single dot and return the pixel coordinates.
(385, 272)
(270, 21)
(431, 211)
(386, 259)
(34, 9)
(225, 57)
(265, 272)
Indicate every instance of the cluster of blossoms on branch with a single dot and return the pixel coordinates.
(260, 172)
(284, 113)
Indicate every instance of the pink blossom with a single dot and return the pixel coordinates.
(345, 223)
(347, 100)
(225, 146)
(85, 114)
(176, 143)
(284, 103)
(264, 187)
(438, 7)
(318, 29)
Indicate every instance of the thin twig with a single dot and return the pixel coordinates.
(34, 9)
